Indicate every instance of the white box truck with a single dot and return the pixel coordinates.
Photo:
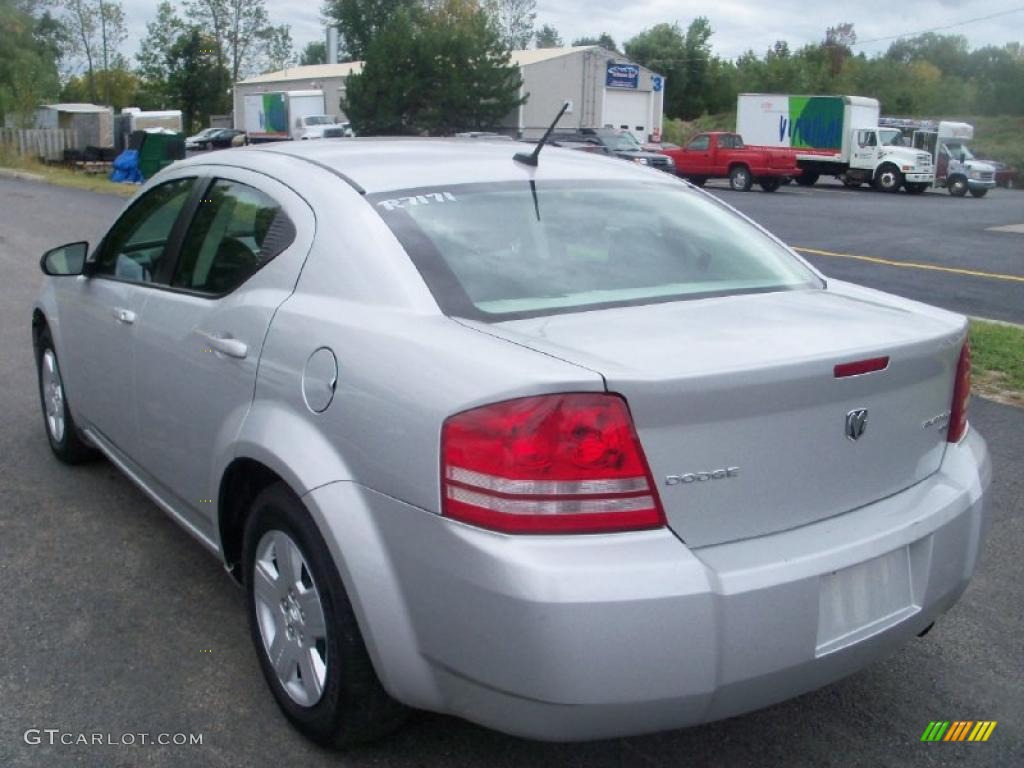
(277, 115)
(835, 136)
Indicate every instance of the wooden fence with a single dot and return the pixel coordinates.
(42, 143)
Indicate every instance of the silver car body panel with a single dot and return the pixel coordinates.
(734, 606)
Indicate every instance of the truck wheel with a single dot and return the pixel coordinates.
(770, 185)
(739, 178)
(957, 186)
(807, 179)
(979, 192)
(888, 179)
(916, 189)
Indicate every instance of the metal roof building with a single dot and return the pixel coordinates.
(603, 88)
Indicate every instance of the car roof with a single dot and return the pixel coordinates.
(383, 164)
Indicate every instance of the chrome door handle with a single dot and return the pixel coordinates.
(227, 346)
(125, 316)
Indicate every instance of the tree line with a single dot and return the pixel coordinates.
(434, 66)
(74, 50)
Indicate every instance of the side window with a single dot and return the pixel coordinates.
(236, 230)
(700, 144)
(136, 244)
(866, 138)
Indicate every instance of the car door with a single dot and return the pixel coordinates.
(864, 150)
(98, 315)
(697, 156)
(198, 341)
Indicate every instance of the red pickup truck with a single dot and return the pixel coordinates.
(720, 155)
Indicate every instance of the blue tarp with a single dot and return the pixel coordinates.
(126, 168)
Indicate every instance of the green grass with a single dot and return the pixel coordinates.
(997, 360)
(63, 176)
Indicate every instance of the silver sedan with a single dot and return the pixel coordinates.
(572, 450)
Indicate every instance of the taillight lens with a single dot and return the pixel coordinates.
(568, 463)
(961, 394)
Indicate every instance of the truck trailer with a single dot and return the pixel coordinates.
(836, 136)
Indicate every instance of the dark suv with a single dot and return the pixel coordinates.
(609, 141)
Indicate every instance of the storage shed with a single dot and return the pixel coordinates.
(93, 124)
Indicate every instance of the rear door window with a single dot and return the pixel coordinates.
(235, 231)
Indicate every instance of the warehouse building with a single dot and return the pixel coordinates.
(602, 87)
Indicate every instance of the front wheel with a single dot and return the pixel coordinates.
(889, 179)
(305, 631)
(807, 179)
(957, 186)
(739, 178)
(976, 192)
(770, 185)
(65, 441)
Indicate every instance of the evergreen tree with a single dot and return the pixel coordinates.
(434, 72)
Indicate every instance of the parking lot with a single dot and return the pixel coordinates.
(117, 622)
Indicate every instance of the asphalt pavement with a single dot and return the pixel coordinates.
(115, 622)
(948, 251)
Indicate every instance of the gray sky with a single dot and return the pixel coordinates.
(737, 24)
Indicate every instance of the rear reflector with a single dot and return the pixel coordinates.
(961, 394)
(861, 366)
(569, 463)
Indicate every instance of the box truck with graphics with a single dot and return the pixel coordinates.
(835, 136)
(280, 115)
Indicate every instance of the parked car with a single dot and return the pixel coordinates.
(722, 155)
(1006, 174)
(214, 138)
(201, 139)
(609, 141)
(553, 444)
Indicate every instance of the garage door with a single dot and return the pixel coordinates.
(628, 110)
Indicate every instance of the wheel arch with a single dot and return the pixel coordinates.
(242, 481)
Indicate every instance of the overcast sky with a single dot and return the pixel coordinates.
(737, 24)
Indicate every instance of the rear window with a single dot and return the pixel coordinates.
(510, 250)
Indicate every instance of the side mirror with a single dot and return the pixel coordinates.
(65, 261)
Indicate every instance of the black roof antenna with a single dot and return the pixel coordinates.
(531, 158)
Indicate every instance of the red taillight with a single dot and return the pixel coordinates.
(961, 394)
(569, 463)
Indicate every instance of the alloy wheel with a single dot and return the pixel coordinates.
(291, 617)
(53, 396)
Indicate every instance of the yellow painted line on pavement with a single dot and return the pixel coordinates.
(915, 265)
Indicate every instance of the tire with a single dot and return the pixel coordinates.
(807, 179)
(65, 440)
(888, 179)
(979, 192)
(739, 178)
(957, 186)
(340, 701)
(770, 185)
(915, 188)
(697, 181)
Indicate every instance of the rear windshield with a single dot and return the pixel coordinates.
(503, 251)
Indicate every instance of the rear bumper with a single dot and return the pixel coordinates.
(567, 638)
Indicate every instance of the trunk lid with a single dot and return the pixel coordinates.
(738, 408)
